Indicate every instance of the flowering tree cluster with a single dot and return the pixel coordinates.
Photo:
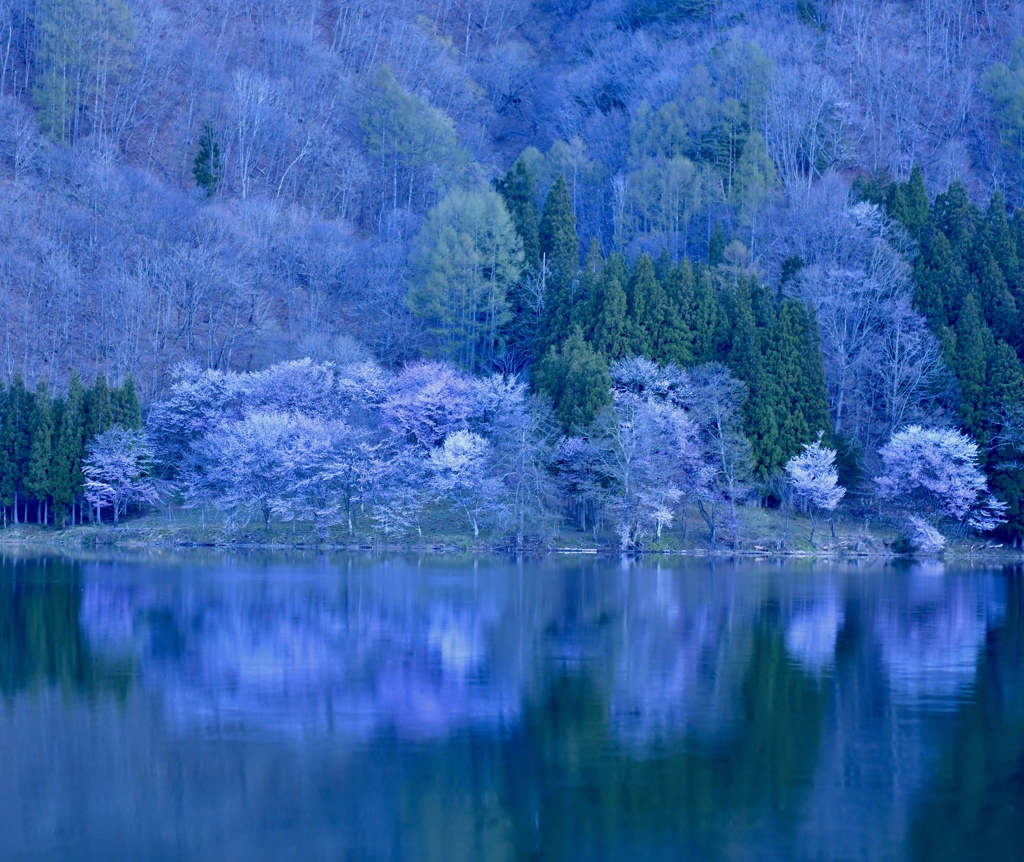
(360, 446)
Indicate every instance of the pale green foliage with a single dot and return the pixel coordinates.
(1005, 86)
(466, 256)
(414, 144)
(84, 45)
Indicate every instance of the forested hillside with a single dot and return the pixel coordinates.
(819, 199)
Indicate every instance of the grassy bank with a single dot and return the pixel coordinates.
(762, 532)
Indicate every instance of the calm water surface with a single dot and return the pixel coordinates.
(344, 708)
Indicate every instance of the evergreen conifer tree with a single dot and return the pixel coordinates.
(916, 211)
(208, 167)
(68, 479)
(956, 216)
(1000, 240)
(576, 379)
(747, 361)
(612, 335)
(585, 310)
(703, 322)
(675, 342)
(647, 305)
(974, 343)
(124, 404)
(519, 189)
(16, 445)
(99, 409)
(559, 245)
(40, 459)
(997, 306)
(931, 273)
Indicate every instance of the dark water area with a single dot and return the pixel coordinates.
(259, 707)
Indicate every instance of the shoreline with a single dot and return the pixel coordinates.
(169, 537)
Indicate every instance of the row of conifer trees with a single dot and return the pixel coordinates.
(44, 440)
(680, 313)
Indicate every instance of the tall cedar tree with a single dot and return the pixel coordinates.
(974, 342)
(611, 334)
(15, 435)
(124, 402)
(576, 379)
(208, 167)
(68, 479)
(560, 249)
(99, 409)
(518, 188)
(40, 459)
(648, 308)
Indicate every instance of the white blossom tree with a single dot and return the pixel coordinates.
(245, 469)
(118, 471)
(715, 403)
(461, 474)
(815, 481)
(648, 451)
(933, 473)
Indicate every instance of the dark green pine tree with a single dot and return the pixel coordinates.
(68, 479)
(99, 409)
(973, 345)
(577, 381)
(559, 245)
(40, 458)
(997, 306)
(1006, 395)
(208, 167)
(519, 192)
(747, 361)
(1000, 240)
(675, 341)
(703, 321)
(16, 445)
(584, 313)
(519, 189)
(956, 216)
(931, 274)
(916, 211)
(648, 309)
(124, 402)
(1005, 378)
(612, 334)
(793, 356)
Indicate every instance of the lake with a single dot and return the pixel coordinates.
(299, 707)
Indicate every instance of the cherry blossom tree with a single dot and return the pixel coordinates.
(246, 472)
(933, 473)
(461, 474)
(815, 481)
(118, 471)
(648, 451)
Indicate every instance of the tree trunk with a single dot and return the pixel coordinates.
(15, 508)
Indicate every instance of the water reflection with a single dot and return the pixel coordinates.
(562, 709)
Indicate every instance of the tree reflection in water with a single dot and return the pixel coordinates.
(563, 709)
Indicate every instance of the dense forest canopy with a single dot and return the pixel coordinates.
(816, 198)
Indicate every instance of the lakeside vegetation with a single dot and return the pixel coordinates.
(542, 267)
